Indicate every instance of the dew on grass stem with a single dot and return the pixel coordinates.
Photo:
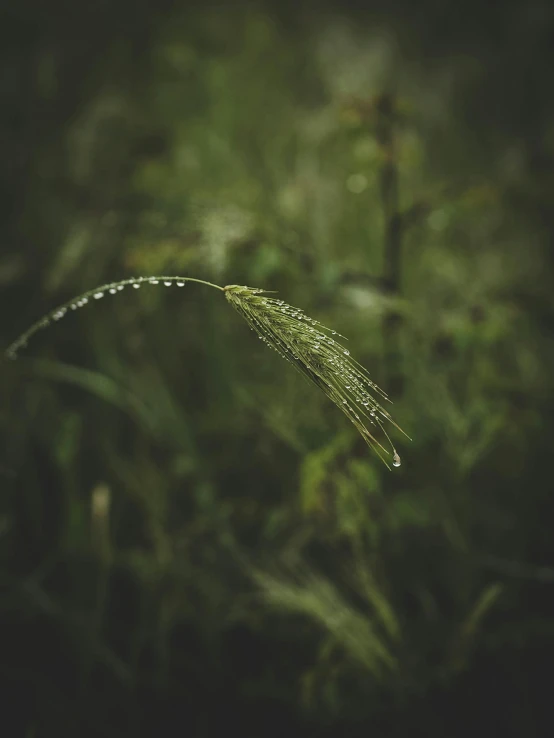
(302, 341)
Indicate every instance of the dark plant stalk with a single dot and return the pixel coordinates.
(393, 233)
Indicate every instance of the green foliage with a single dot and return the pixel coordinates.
(172, 500)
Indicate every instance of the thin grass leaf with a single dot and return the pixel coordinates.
(309, 594)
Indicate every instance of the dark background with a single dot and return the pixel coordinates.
(193, 541)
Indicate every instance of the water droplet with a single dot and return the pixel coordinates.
(74, 306)
(112, 290)
(136, 286)
(396, 460)
(154, 281)
(120, 287)
(167, 284)
(333, 333)
(98, 295)
(346, 352)
(180, 284)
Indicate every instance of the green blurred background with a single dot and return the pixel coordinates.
(194, 541)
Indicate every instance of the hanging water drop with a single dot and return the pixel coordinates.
(98, 295)
(154, 281)
(180, 284)
(346, 352)
(112, 290)
(396, 459)
(136, 286)
(167, 284)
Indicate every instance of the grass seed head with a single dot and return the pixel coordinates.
(304, 342)
(318, 354)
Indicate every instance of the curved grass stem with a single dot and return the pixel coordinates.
(97, 293)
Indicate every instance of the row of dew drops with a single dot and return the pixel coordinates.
(323, 346)
(79, 302)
